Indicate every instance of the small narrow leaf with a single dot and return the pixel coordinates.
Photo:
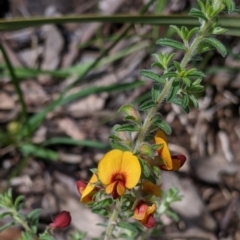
(219, 30)
(185, 101)
(216, 44)
(178, 101)
(171, 43)
(152, 75)
(164, 126)
(119, 145)
(18, 201)
(192, 32)
(230, 5)
(177, 66)
(173, 91)
(157, 64)
(128, 226)
(170, 75)
(2, 228)
(146, 105)
(194, 101)
(187, 81)
(30, 149)
(194, 12)
(127, 128)
(177, 30)
(156, 90)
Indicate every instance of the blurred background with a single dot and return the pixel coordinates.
(61, 86)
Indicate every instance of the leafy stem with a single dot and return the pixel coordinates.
(187, 57)
(112, 220)
(23, 223)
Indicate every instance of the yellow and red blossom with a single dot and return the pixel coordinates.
(87, 191)
(144, 213)
(119, 171)
(171, 163)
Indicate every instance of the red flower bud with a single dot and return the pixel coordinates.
(62, 220)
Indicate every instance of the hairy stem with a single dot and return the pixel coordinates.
(112, 221)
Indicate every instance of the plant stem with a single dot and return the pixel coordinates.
(112, 220)
(187, 57)
(24, 225)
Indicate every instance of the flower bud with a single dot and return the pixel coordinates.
(62, 220)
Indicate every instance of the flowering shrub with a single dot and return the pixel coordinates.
(126, 183)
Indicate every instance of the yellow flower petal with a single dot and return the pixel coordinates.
(117, 162)
(110, 187)
(89, 190)
(160, 138)
(151, 209)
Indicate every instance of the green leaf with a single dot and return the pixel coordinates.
(170, 75)
(172, 215)
(152, 75)
(128, 226)
(194, 101)
(177, 30)
(145, 168)
(217, 45)
(195, 89)
(29, 149)
(17, 203)
(230, 5)
(185, 101)
(194, 12)
(164, 126)
(219, 30)
(33, 218)
(2, 215)
(171, 43)
(7, 225)
(173, 91)
(192, 32)
(128, 127)
(195, 73)
(178, 101)
(177, 66)
(156, 90)
(146, 105)
(102, 204)
(158, 65)
(119, 145)
(186, 81)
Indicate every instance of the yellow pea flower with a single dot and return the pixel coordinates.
(87, 190)
(119, 171)
(171, 163)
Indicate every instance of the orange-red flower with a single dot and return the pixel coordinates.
(119, 171)
(87, 191)
(144, 214)
(170, 163)
(150, 188)
(62, 220)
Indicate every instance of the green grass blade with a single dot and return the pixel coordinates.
(29, 149)
(224, 21)
(76, 70)
(36, 120)
(70, 141)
